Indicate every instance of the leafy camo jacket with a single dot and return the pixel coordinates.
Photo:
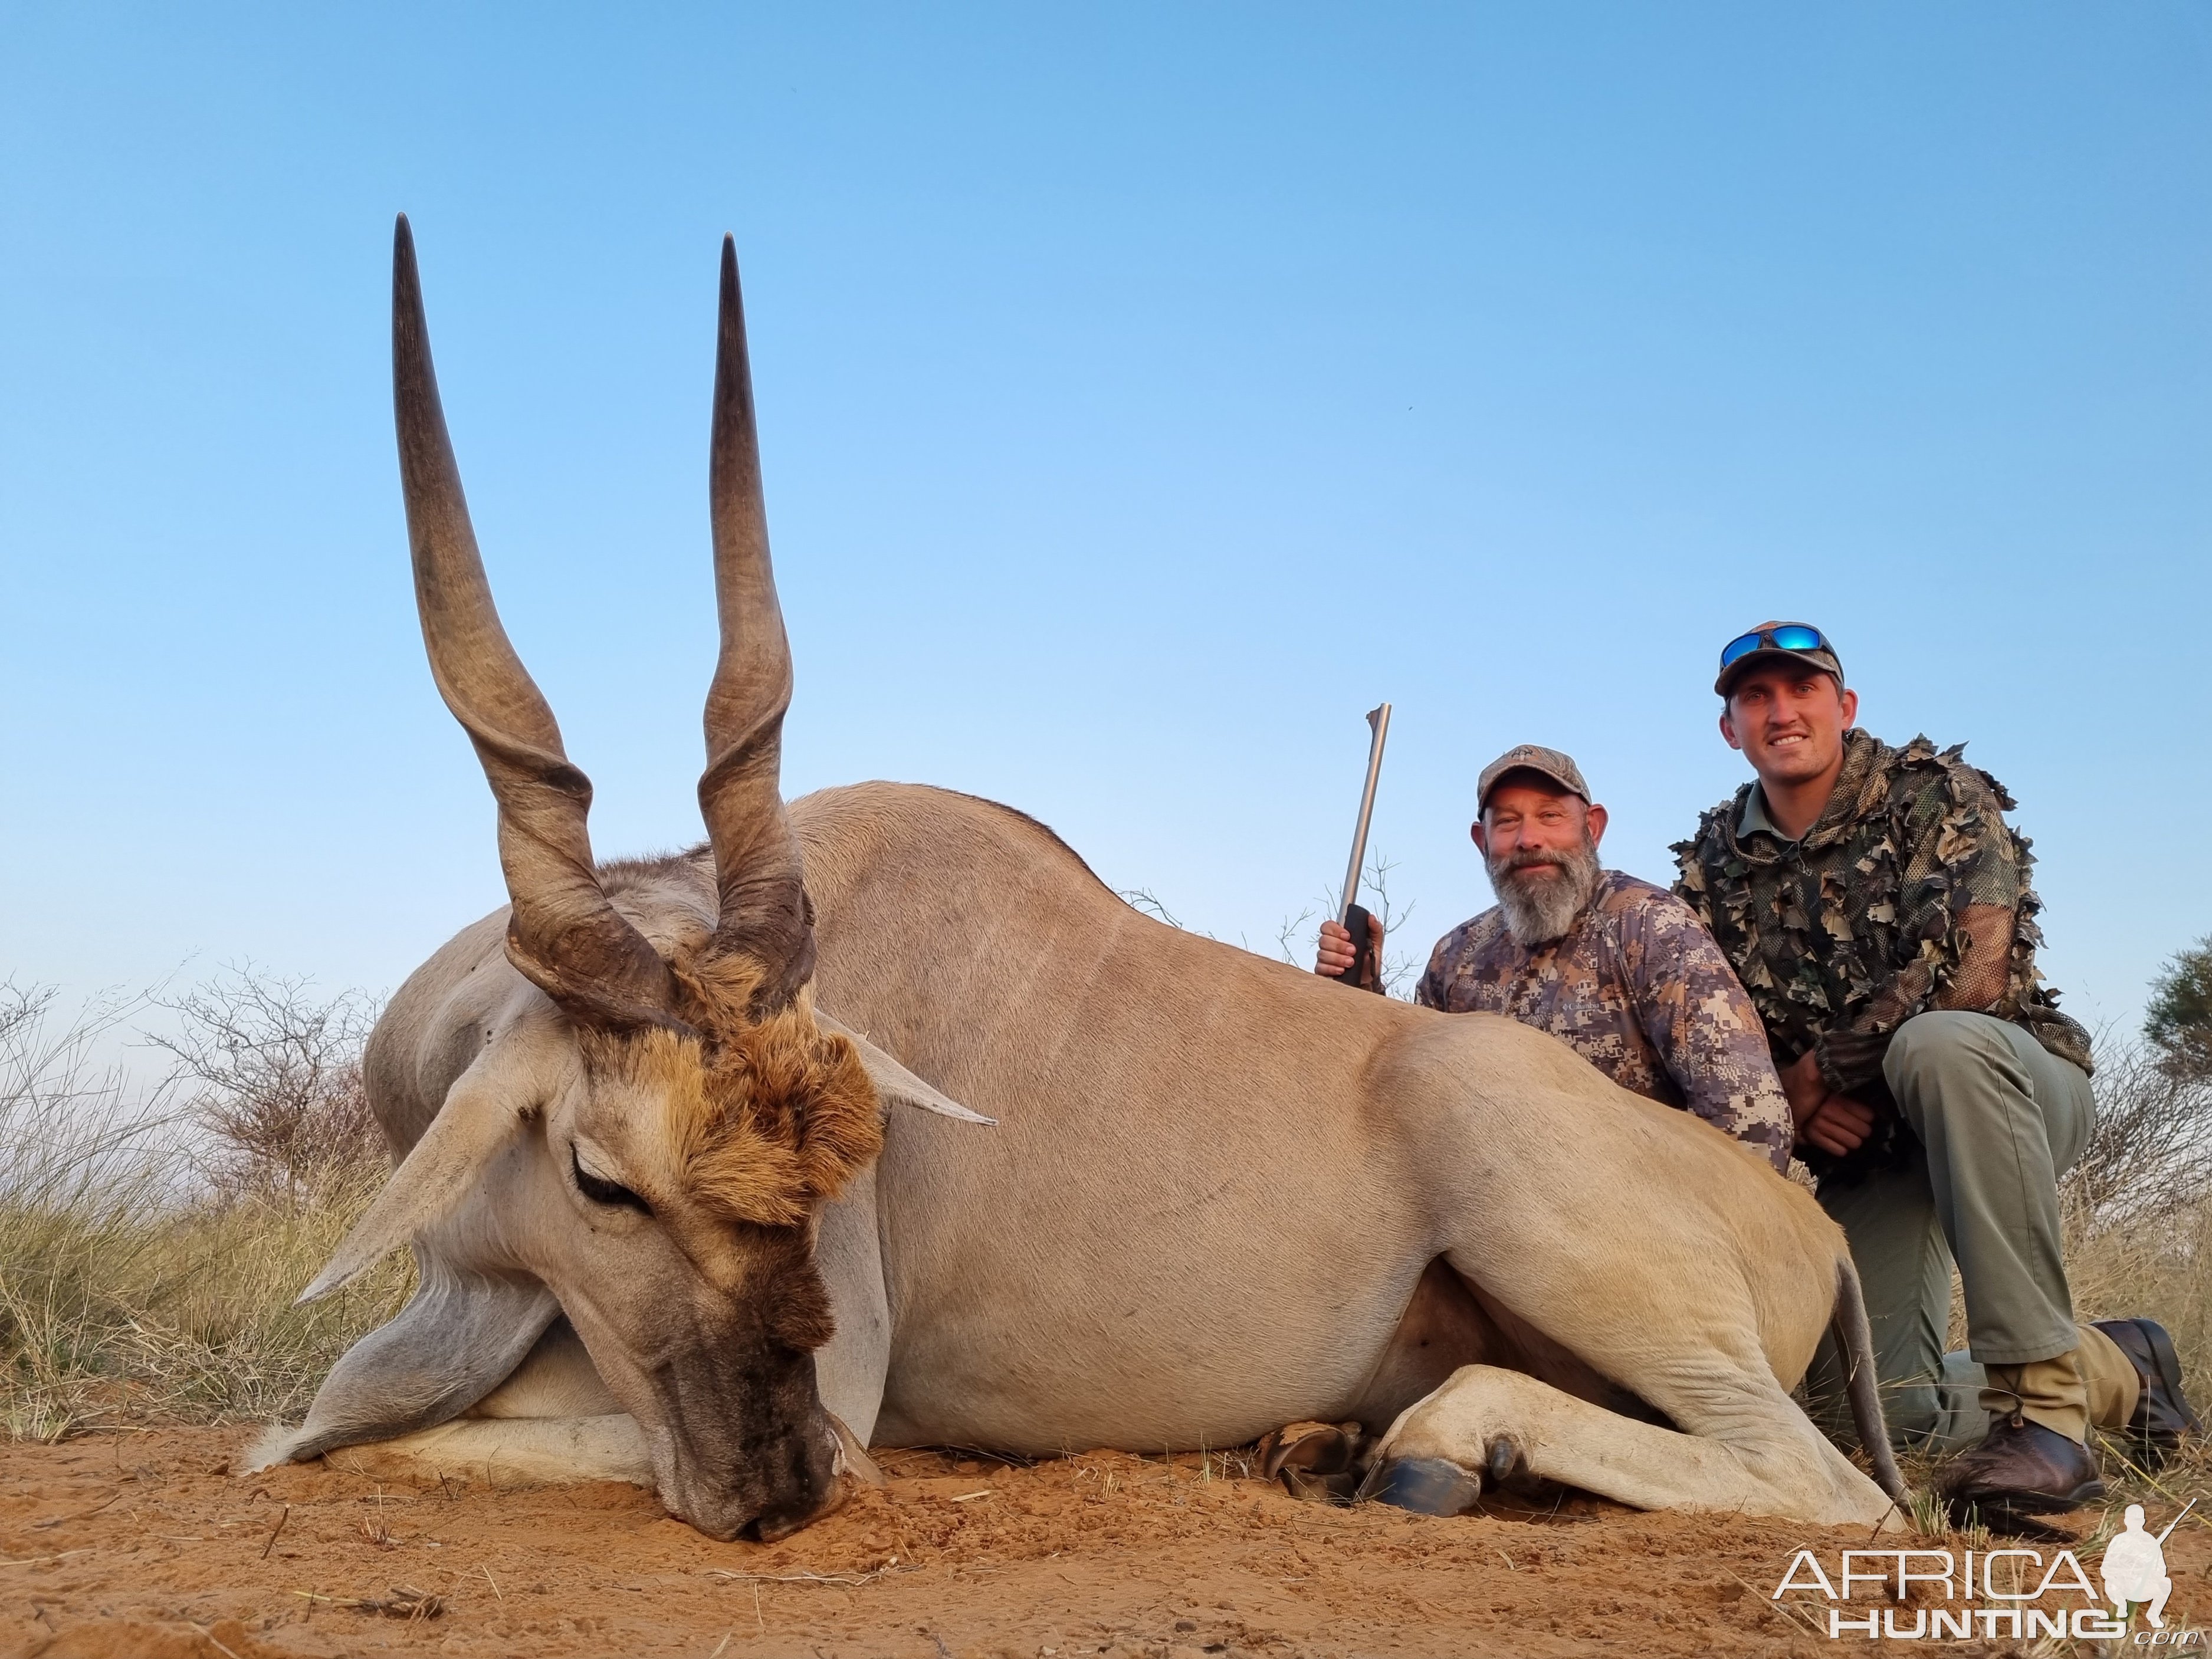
(1844, 936)
(1637, 987)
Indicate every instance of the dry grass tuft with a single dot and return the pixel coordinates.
(2139, 1200)
(405, 1601)
(2137, 1204)
(2139, 1244)
(2137, 1207)
(132, 1285)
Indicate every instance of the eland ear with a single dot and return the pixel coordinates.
(894, 1082)
(484, 1109)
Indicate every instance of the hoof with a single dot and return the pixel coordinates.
(1318, 1447)
(1426, 1486)
(1314, 1461)
(1504, 1459)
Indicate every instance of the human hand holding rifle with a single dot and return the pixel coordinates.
(1352, 945)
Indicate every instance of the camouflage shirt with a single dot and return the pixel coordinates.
(1844, 936)
(1639, 990)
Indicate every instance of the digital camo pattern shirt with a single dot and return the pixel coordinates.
(1844, 936)
(1639, 989)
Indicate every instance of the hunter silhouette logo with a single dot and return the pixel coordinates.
(2134, 1567)
(2005, 1593)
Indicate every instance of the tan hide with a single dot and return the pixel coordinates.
(1223, 1195)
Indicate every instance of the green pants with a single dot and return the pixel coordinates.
(1999, 1118)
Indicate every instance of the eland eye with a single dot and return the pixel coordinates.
(603, 1192)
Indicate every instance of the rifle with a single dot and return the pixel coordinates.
(2176, 1522)
(1365, 972)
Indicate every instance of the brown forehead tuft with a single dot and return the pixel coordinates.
(767, 1118)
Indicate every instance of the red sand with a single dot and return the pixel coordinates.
(138, 1545)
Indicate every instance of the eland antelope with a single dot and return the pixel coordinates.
(673, 1226)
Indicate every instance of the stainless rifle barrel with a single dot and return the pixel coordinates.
(1378, 720)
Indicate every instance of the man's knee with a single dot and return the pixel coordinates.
(1933, 1049)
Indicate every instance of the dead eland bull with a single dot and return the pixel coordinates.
(1221, 1193)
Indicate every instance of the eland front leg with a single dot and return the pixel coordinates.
(1487, 1424)
(1664, 1259)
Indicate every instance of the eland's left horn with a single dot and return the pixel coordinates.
(763, 912)
(562, 932)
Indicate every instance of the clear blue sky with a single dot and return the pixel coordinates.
(1147, 392)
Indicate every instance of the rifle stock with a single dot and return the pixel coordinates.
(1366, 971)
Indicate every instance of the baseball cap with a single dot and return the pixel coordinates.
(1776, 641)
(1531, 757)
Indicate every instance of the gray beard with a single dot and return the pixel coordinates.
(1541, 908)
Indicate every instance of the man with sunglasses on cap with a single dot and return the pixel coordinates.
(1617, 969)
(1877, 906)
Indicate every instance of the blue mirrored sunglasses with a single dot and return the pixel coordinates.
(1790, 637)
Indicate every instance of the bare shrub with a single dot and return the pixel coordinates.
(2138, 1202)
(1299, 933)
(2151, 1152)
(274, 1075)
(2136, 1206)
(68, 1123)
(1144, 899)
(1297, 939)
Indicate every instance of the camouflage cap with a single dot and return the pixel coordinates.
(1821, 656)
(1531, 757)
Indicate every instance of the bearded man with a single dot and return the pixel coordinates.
(1619, 971)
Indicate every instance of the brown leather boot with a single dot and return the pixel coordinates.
(2162, 1412)
(2020, 1468)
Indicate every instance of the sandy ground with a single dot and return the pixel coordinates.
(136, 1545)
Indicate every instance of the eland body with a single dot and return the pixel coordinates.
(668, 1232)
